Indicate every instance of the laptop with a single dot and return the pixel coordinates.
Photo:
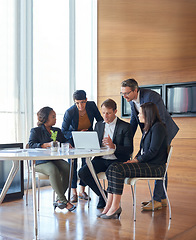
(85, 140)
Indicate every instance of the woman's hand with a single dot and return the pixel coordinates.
(70, 146)
(132, 161)
(46, 145)
(84, 130)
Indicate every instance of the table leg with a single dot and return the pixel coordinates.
(70, 178)
(92, 170)
(13, 171)
(34, 199)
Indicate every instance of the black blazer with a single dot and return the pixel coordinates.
(147, 95)
(154, 145)
(122, 138)
(71, 119)
(40, 135)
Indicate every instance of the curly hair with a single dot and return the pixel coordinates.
(42, 115)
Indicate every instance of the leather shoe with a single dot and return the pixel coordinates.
(84, 196)
(163, 202)
(148, 207)
(74, 198)
(145, 203)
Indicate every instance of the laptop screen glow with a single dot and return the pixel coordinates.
(86, 140)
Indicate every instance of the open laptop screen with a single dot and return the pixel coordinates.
(86, 140)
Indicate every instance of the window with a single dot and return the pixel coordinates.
(8, 71)
(40, 65)
(51, 56)
(86, 47)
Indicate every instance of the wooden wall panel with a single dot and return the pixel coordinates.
(154, 42)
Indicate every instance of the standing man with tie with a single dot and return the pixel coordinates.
(137, 96)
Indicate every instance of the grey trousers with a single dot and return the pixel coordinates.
(58, 172)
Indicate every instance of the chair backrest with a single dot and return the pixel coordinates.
(170, 149)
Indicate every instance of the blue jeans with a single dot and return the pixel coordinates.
(75, 175)
(159, 192)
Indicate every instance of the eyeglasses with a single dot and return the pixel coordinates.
(125, 94)
(82, 102)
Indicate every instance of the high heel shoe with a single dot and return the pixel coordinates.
(100, 214)
(114, 215)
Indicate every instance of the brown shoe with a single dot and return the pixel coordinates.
(163, 202)
(74, 198)
(84, 196)
(148, 207)
(145, 203)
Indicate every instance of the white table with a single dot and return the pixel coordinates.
(41, 154)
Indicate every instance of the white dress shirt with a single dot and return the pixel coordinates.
(137, 101)
(109, 130)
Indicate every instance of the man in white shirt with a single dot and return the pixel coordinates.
(115, 134)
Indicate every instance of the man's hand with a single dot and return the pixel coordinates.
(107, 141)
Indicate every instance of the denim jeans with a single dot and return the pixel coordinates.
(75, 174)
(159, 192)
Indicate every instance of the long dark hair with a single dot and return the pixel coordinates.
(42, 115)
(151, 115)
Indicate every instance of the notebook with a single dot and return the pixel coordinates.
(85, 140)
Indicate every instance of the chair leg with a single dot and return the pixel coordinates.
(132, 194)
(28, 180)
(38, 195)
(53, 196)
(27, 191)
(88, 196)
(167, 199)
(134, 208)
(151, 195)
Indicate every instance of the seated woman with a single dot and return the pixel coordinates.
(57, 170)
(149, 162)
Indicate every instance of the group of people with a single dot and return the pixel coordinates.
(158, 129)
